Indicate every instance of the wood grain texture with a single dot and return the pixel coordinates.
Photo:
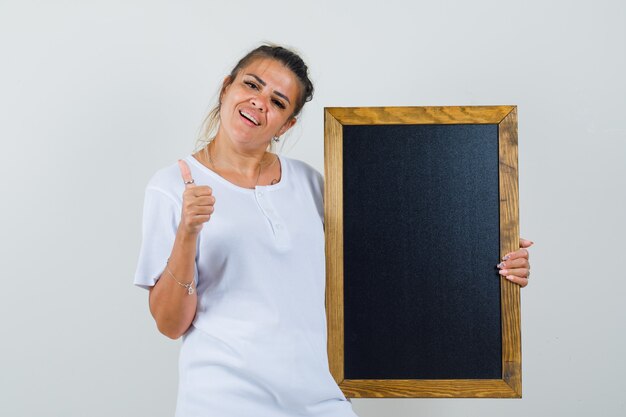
(412, 388)
(509, 241)
(506, 118)
(419, 115)
(333, 226)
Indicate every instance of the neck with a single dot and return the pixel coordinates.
(244, 162)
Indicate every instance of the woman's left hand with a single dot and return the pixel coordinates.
(515, 265)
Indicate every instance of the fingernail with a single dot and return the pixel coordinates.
(505, 258)
(509, 277)
(500, 265)
(503, 272)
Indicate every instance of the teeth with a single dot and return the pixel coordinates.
(249, 117)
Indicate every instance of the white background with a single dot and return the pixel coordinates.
(97, 95)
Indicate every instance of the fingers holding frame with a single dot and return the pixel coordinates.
(522, 282)
(515, 266)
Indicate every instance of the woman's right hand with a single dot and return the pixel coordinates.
(198, 203)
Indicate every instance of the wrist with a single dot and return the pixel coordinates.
(185, 236)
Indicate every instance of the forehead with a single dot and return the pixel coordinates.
(274, 74)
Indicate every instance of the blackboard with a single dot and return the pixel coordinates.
(421, 203)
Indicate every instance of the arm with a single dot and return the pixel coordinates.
(171, 305)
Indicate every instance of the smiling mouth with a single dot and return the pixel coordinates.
(249, 117)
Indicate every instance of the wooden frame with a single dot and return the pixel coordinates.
(509, 386)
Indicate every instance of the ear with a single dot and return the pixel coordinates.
(228, 80)
(288, 124)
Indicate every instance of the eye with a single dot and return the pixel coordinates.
(279, 104)
(251, 84)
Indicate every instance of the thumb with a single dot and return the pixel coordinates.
(525, 243)
(185, 173)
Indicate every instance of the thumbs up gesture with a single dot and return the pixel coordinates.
(197, 203)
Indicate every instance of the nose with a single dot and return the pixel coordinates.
(259, 103)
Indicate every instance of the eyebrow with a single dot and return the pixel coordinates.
(263, 83)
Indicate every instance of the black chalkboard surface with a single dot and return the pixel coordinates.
(418, 214)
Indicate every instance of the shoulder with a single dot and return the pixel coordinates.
(302, 169)
(307, 180)
(167, 180)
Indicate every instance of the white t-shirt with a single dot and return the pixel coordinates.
(257, 346)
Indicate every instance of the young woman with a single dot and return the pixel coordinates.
(233, 255)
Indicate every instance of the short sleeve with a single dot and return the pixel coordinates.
(160, 221)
